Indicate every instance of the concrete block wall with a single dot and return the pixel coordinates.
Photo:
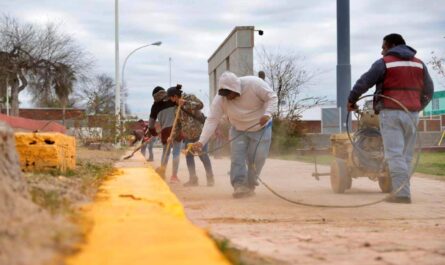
(46, 151)
(235, 54)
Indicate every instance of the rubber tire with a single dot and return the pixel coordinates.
(348, 182)
(385, 184)
(339, 176)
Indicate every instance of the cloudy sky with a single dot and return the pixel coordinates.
(192, 30)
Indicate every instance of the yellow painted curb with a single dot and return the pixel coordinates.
(138, 220)
(45, 151)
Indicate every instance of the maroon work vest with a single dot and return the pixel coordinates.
(403, 82)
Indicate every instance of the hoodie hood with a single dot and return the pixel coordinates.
(402, 51)
(160, 95)
(230, 81)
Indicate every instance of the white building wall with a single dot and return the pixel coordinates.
(234, 54)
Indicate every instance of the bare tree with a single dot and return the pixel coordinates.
(438, 64)
(14, 63)
(288, 77)
(98, 95)
(44, 59)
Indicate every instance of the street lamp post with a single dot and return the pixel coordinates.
(117, 100)
(158, 43)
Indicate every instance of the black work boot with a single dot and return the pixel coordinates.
(395, 199)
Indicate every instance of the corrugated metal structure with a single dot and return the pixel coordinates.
(437, 104)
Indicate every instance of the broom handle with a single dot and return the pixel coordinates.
(175, 122)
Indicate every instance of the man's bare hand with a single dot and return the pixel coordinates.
(264, 120)
(181, 102)
(352, 107)
(197, 147)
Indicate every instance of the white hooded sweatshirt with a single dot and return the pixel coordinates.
(256, 100)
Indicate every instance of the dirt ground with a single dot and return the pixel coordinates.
(290, 234)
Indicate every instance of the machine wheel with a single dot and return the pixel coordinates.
(385, 184)
(340, 179)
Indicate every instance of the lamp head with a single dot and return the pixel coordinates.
(158, 43)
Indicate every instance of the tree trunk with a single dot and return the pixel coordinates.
(14, 100)
(63, 110)
(16, 88)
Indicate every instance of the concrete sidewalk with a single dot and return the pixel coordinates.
(384, 233)
(138, 220)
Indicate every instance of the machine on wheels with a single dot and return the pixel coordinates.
(359, 154)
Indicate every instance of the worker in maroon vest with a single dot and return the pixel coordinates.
(401, 76)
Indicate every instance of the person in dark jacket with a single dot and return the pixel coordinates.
(164, 111)
(405, 78)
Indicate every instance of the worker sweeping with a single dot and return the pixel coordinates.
(164, 111)
(248, 102)
(403, 77)
(141, 134)
(189, 126)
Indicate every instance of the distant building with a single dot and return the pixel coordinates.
(52, 113)
(437, 104)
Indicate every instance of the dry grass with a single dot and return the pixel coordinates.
(61, 194)
(58, 192)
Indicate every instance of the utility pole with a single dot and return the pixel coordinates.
(170, 70)
(117, 101)
(343, 60)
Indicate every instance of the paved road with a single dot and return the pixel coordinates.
(380, 234)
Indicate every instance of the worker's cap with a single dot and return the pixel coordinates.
(174, 91)
(157, 89)
(224, 92)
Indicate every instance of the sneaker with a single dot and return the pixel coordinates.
(393, 199)
(191, 183)
(242, 192)
(174, 179)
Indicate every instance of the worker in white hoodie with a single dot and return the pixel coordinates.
(248, 102)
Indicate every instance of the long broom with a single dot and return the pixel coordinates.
(143, 144)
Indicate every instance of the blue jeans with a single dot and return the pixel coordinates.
(148, 148)
(144, 150)
(398, 130)
(176, 146)
(245, 168)
(190, 159)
